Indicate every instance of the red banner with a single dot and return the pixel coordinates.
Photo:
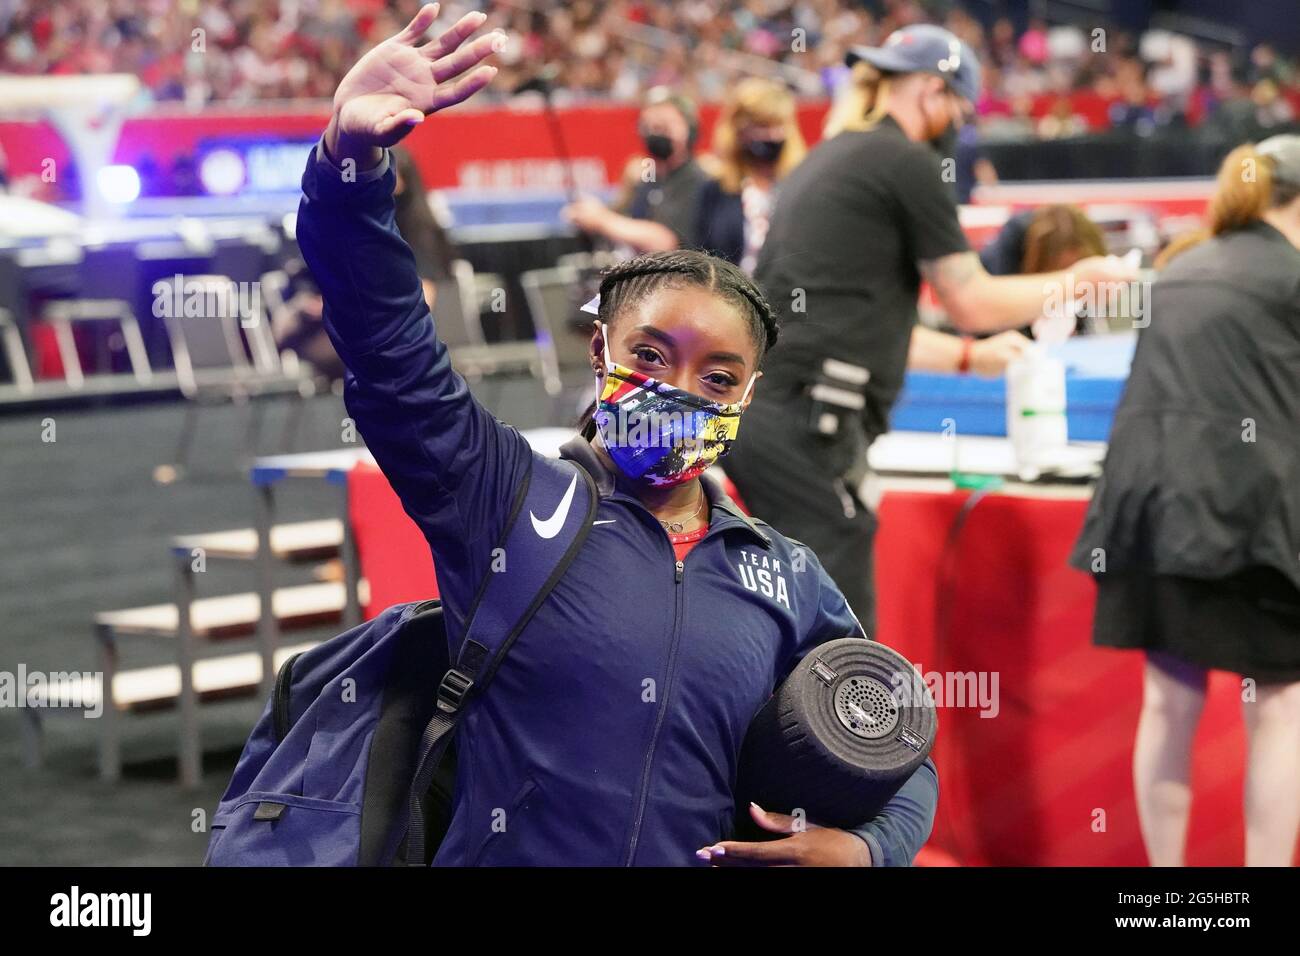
(494, 149)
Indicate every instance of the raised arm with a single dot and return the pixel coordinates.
(451, 462)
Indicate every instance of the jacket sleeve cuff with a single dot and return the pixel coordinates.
(896, 834)
(873, 845)
(327, 181)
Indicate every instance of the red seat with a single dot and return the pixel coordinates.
(395, 559)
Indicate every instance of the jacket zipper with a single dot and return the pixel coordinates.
(678, 568)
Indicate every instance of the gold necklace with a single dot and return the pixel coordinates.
(677, 527)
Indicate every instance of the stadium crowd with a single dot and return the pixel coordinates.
(1040, 80)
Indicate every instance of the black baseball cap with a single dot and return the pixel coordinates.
(925, 48)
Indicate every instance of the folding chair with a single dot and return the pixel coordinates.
(20, 371)
(221, 356)
(63, 315)
(552, 301)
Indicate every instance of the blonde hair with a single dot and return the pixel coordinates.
(1244, 190)
(861, 105)
(756, 101)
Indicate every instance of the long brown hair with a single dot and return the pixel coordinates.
(1056, 230)
(1244, 190)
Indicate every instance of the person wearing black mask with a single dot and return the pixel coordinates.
(756, 143)
(858, 223)
(659, 207)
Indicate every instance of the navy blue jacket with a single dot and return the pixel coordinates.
(611, 733)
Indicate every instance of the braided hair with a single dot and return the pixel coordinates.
(636, 279)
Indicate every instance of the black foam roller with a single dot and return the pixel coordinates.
(840, 736)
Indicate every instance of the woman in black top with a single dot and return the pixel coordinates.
(858, 223)
(756, 143)
(1193, 534)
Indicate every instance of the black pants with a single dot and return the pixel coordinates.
(802, 484)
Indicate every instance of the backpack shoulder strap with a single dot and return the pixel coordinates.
(542, 538)
(537, 549)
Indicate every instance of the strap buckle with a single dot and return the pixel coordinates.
(453, 690)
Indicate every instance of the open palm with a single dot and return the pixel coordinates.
(399, 82)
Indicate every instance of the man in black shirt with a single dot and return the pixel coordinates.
(859, 223)
(658, 209)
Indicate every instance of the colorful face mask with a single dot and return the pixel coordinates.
(661, 434)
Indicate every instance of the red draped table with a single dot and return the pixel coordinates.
(1045, 778)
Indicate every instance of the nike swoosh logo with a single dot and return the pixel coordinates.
(605, 521)
(552, 525)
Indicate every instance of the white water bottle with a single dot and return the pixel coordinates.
(1036, 423)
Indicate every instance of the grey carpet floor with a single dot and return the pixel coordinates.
(83, 527)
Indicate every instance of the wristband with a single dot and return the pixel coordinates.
(963, 364)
